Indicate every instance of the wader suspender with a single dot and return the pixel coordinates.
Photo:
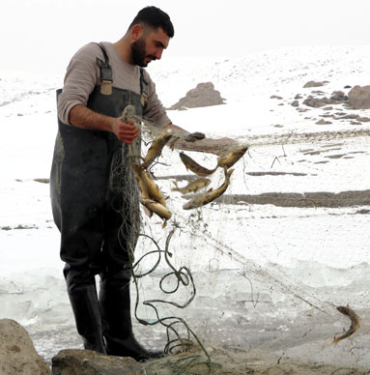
(105, 73)
(107, 77)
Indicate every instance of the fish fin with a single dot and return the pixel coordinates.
(148, 212)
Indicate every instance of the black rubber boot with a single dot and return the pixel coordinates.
(86, 310)
(116, 316)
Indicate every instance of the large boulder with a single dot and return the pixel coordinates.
(83, 362)
(203, 95)
(17, 353)
(359, 97)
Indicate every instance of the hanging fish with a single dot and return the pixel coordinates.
(203, 199)
(229, 158)
(142, 187)
(151, 188)
(194, 186)
(193, 166)
(155, 149)
(158, 209)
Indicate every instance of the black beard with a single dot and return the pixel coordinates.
(138, 52)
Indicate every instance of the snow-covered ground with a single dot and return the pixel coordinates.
(268, 277)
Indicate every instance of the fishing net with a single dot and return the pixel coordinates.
(262, 272)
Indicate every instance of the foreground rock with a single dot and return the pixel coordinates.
(83, 362)
(17, 353)
(203, 95)
(359, 97)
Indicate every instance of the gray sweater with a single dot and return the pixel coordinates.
(83, 74)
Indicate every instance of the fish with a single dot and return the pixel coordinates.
(155, 149)
(194, 186)
(203, 199)
(160, 210)
(146, 184)
(194, 166)
(355, 322)
(142, 187)
(229, 158)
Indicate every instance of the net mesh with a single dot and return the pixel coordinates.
(263, 271)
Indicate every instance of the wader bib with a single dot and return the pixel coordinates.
(87, 209)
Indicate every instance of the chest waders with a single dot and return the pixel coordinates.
(98, 217)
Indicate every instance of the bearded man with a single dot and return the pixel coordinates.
(96, 238)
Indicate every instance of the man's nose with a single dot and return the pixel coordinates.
(158, 54)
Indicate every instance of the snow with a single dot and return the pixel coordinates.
(267, 277)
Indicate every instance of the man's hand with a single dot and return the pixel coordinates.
(85, 118)
(125, 132)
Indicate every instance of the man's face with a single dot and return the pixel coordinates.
(149, 47)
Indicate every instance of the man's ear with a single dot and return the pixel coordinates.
(137, 32)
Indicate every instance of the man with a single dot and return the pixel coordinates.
(96, 211)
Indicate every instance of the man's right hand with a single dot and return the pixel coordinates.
(125, 132)
(85, 118)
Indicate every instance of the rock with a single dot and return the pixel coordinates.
(83, 362)
(317, 92)
(298, 96)
(359, 97)
(323, 122)
(315, 102)
(17, 353)
(203, 95)
(354, 117)
(276, 97)
(363, 119)
(314, 84)
(295, 103)
(338, 96)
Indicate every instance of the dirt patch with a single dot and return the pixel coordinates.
(295, 138)
(306, 200)
(259, 174)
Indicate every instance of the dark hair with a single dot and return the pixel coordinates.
(154, 18)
